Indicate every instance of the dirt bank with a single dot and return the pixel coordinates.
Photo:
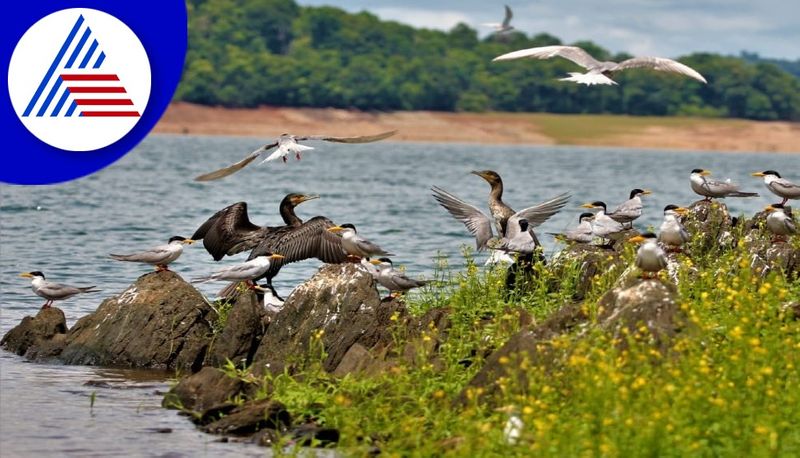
(501, 128)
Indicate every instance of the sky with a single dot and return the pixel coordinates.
(667, 28)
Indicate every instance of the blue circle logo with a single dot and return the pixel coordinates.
(86, 85)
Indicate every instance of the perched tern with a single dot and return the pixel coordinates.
(582, 233)
(524, 242)
(779, 223)
(631, 209)
(505, 26)
(600, 72)
(709, 188)
(288, 144)
(54, 291)
(246, 271)
(355, 245)
(779, 186)
(672, 233)
(603, 225)
(159, 256)
(392, 279)
(650, 258)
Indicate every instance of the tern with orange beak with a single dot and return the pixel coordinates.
(779, 223)
(710, 188)
(672, 233)
(779, 186)
(159, 256)
(355, 245)
(650, 258)
(53, 291)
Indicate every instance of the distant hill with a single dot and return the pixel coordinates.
(791, 66)
(245, 53)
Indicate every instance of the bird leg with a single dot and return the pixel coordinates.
(161, 267)
(47, 304)
(674, 249)
(297, 155)
(284, 159)
(353, 258)
(785, 199)
(274, 291)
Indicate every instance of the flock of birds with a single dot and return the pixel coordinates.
(230, 231)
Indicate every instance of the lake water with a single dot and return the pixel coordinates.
(67, 230)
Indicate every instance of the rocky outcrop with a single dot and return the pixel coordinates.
(250, 417)
(159, 322)
(340, 306)
(244, 328)
(46, 329)
(710, 225)
(590, 260)
(203, 391)
(622, 312)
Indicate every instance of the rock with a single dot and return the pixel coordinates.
(36, 331)
(342, 303)
(159, 322)
(203, 391)
(645, 302)
(591, 260)
(251, 417)
(47, 350)
(710, 226)
(532, 344)
(311, 434)
(242, 332)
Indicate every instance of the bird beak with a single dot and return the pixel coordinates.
(188, 241)
(769, 208)
(26, 275)
(647, 191)
(277, 256)
(335, 229)
(636, 239)
(587, 206)
(705, 173)
(757, 174)
(374, 261)
(307, 197)
(681, 210)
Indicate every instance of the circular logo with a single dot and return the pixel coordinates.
(79, 79)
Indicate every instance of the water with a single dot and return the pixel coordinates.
(67, 230)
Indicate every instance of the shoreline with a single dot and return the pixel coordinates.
(540, 129)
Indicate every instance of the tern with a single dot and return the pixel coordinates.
(631, 209)
(779, 223)
(287, 144)
(524, 242)
(582, 233)
(246, 271)
(650, 258)
(54, 291)
(779, 186)
(355, 245)
(392, 279)
(600, 72)
(671, 232)
(603, 225)
(505, 26)
(710, 188)
(159, 256)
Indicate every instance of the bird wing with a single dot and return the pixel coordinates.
(309, 240)
(573, 53)
(233, 168)
(508, 17)
(631, 208)
(404, 283)
(661, 64)
(361, 139)
(371, 247)
(57, 290)
(229, 232)
(477, 223)
(786, 187)
(790, 225)
(151, 256)
(536, 214)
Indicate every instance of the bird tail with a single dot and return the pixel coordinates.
(120, 257)
(589, 79)
(743, 194)
(89, 289)
(202, 279)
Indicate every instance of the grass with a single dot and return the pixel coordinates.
(728, 386)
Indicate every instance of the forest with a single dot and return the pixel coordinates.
(246, 53)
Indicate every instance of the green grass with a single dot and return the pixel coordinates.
(728, 386)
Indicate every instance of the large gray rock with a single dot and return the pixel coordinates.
(710, 226)
(36, 331)
(159, 322)
(243, 330)
(203, 391)
(590, 260)
(342, 303)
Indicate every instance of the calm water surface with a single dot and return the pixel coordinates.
(67, 230)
